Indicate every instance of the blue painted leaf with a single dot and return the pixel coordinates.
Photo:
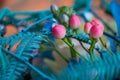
(115, 9)
(47, 27)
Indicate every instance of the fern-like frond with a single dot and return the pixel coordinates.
(4, 62)
(81, 36)
(26, 49)
(102, 68)
(10, 41)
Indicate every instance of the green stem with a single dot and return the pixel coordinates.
(104, 45)
(55, 49)
(71, 46)
(92, 47)
(66, 25)
(73, 55)
(72, 51)
(62, 56)
(83, 47)
(76, 31)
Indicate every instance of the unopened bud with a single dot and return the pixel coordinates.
(59, 31)
(54, 8)
(64, 18)
(74, 22)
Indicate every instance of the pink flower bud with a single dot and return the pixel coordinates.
(96, 31)
(97, 22)
(59, 31)
(74, 22)
(87, 27)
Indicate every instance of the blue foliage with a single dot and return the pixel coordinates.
(115, 9)
(29, 44)
(27, 48)
(47, 27)
(112, 45)
(82, 5)
(13, 66)
(102, 68)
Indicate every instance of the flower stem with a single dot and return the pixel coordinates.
(101, 40)
(104, 45)
(71, 46)
(92, 47)
(83, 47)
(73, 55)
(76, 31)
(54, 47)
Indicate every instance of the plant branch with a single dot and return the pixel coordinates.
(83, 47)
(71, 46)
(27, 63)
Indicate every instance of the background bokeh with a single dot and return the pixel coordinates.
(32, 5)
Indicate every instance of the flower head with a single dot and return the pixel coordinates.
(96, 31)
(59, 31)
(97, 22)
(74, 22)
(87, 27)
